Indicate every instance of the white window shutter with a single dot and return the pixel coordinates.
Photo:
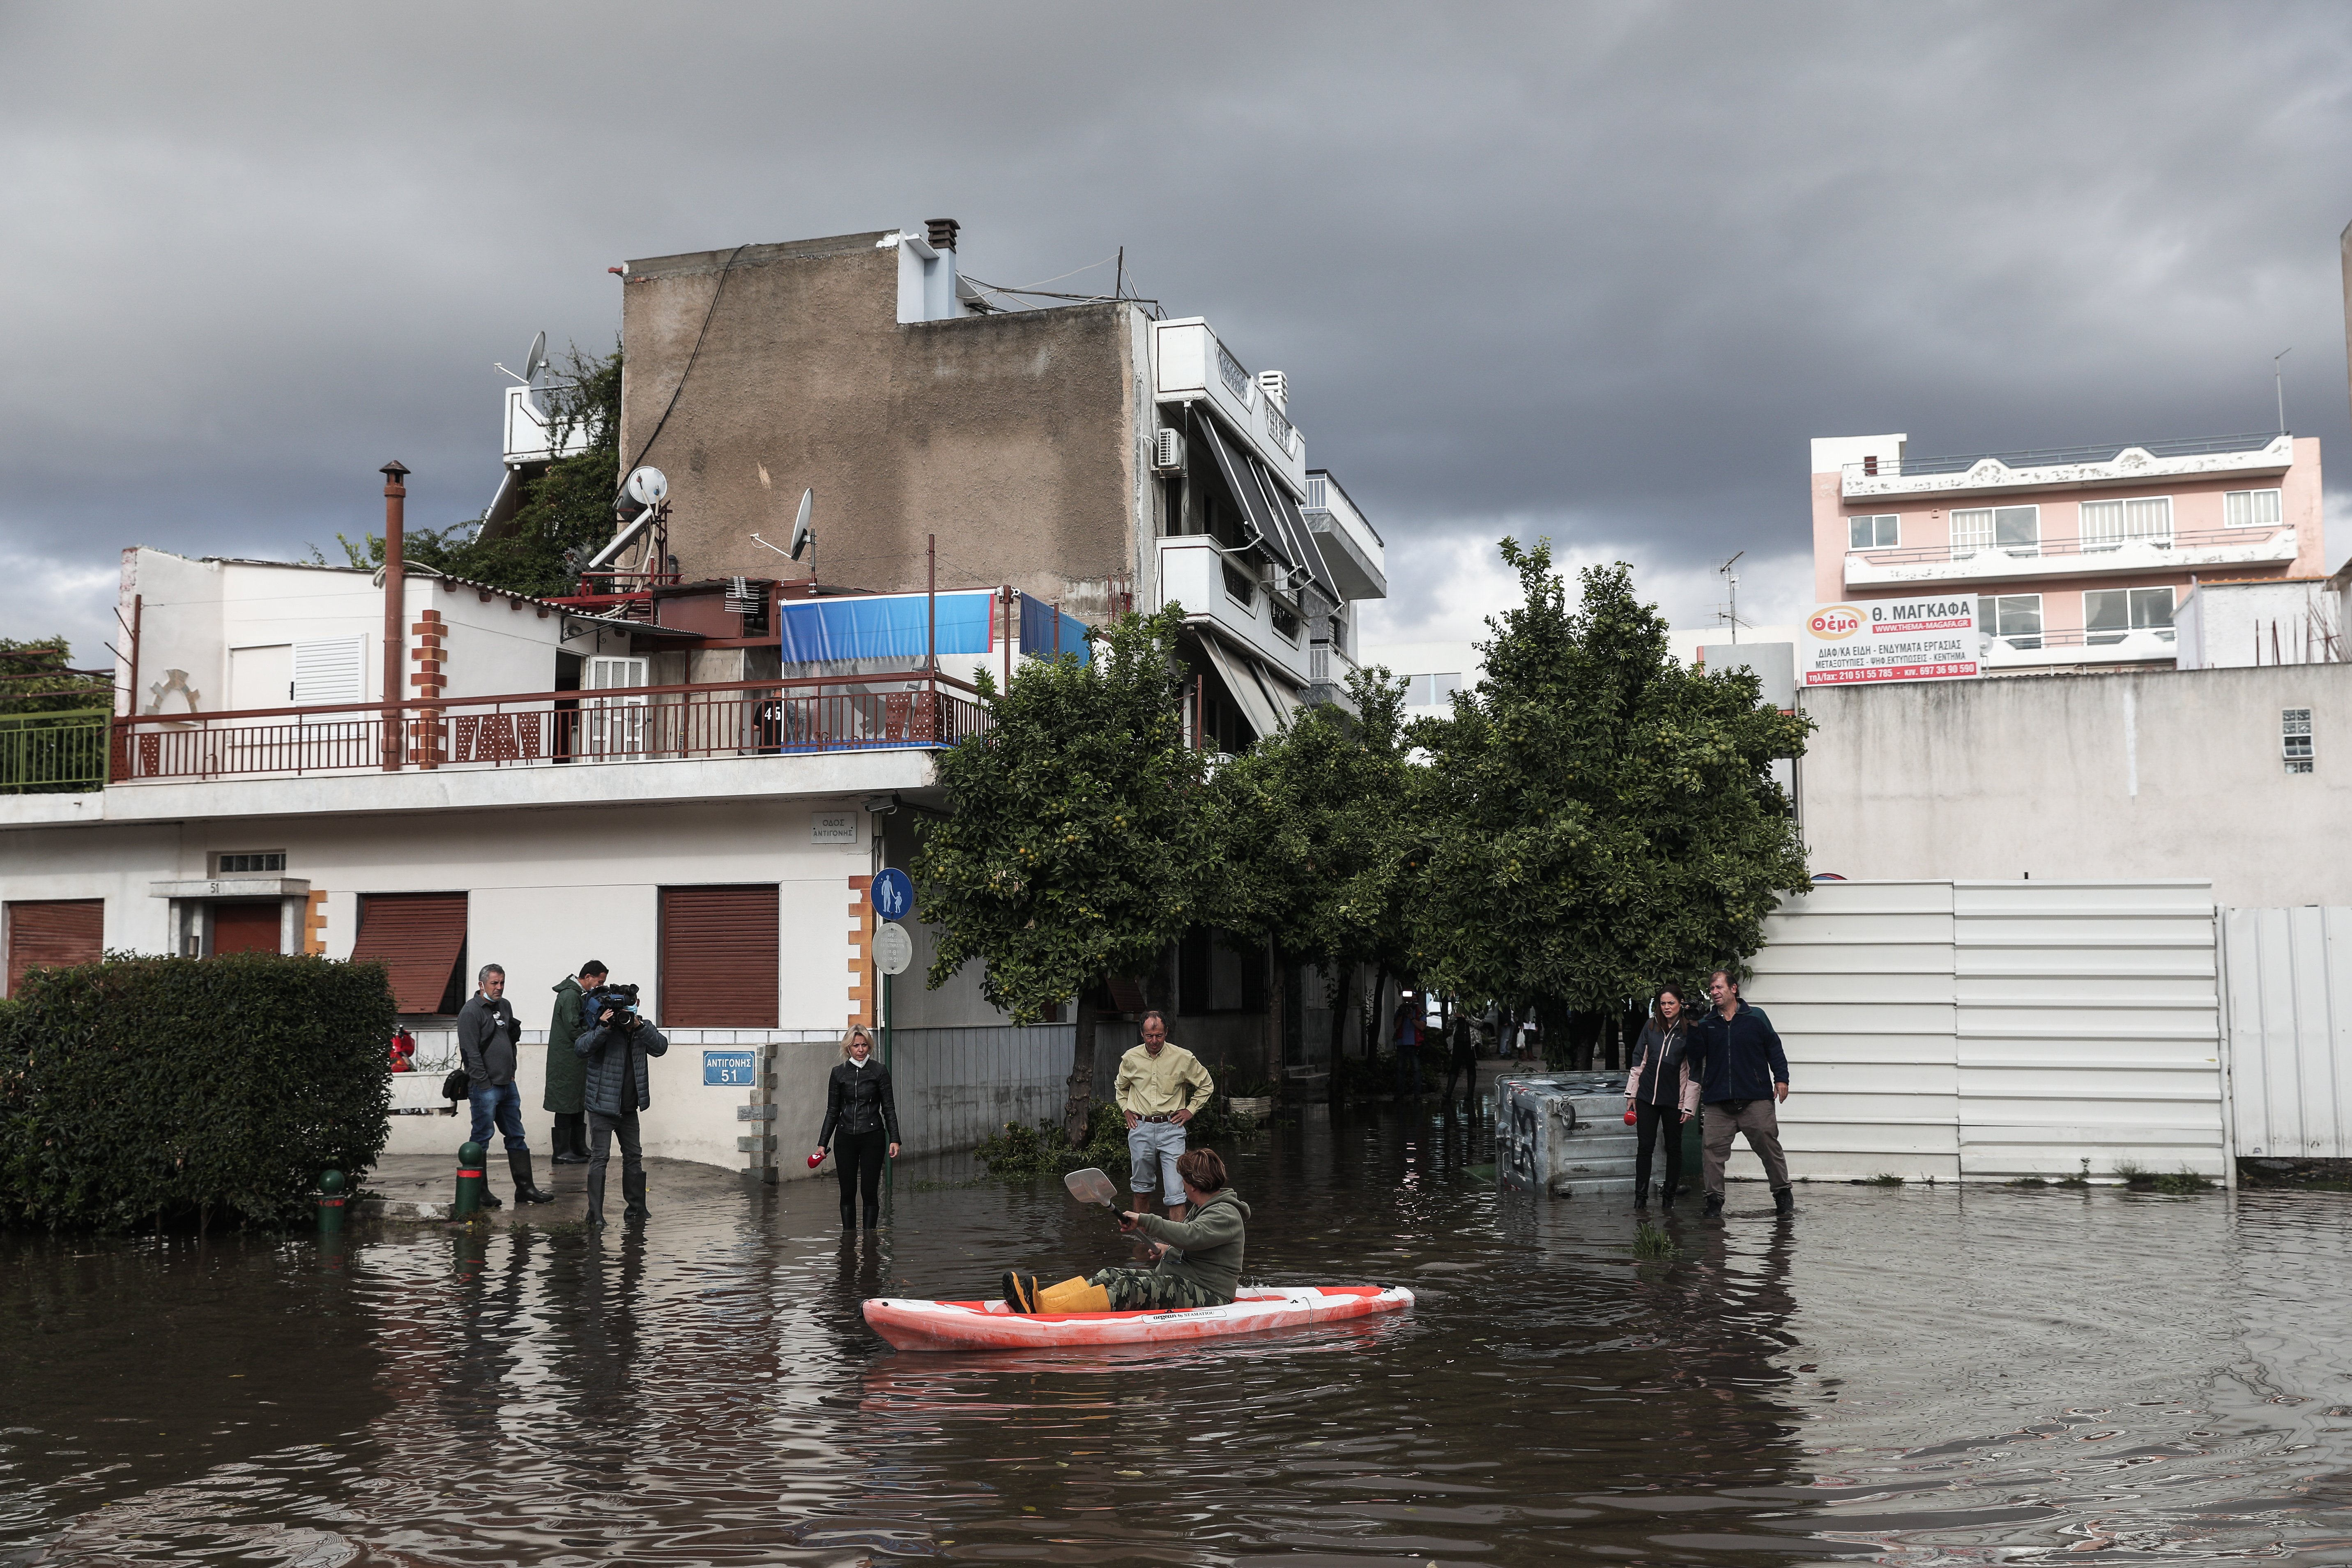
(331, 669)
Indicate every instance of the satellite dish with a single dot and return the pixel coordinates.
(803, 534)
(649, 487)
(535, 360)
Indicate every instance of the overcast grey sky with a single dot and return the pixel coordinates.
(1592, 271)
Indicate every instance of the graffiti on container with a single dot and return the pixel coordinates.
(1522, 1138)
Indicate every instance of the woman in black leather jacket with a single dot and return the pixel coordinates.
(1656, 1092)
(859, 1108)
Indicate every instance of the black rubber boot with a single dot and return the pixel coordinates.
(1784, 1200)
(1641, 1197)
(1714, 1205)
(571, 1142)
(633, 1188)
(595, 1200)
(525, 1191)
(1667, 1195)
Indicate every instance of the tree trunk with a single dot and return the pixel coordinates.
(1372, 1015)
(1081, 1103)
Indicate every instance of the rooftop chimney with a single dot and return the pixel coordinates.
(942, 232)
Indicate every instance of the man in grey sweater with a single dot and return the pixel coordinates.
(487, 1034)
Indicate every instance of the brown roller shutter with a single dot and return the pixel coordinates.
(421, 937)
(54, 936)
(718, 957)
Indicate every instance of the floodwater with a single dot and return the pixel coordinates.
(1915, 1376)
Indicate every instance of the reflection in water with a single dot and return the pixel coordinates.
(1915, 1377)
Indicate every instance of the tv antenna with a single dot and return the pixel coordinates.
(1731, 577)
(2278, 384)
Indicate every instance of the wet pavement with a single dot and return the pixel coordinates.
(1921, 1376)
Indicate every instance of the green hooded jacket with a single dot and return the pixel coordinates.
(1207, 1246)
(566, 1072)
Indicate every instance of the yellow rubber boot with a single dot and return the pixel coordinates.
(1073, 1295)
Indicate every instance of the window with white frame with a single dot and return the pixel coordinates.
(2014, 618)
(2111, 614)
(1872, 532)
(2295, 739)
(616, 725)
(2111, 525)
(2015, 529)
(2250, 509)
(1429, 690)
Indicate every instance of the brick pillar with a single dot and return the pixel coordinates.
(431, 655)
(862, 996)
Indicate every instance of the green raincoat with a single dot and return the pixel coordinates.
(566, 1072)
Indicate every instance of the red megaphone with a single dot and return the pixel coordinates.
(816, 1159)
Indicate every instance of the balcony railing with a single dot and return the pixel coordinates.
(644, 723)
(2059, 457)
(52, 753)
(1992, 554)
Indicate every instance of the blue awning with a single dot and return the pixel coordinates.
(1040, 625)
(884, 626)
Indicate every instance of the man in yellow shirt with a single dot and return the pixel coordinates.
(1159, 1087)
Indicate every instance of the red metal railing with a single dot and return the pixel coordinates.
(643, 724)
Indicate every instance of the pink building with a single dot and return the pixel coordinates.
(2077, 555)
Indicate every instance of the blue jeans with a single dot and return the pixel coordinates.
(501, 1103)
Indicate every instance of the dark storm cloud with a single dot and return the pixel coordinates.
(1599, 271)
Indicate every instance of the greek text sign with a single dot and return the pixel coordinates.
(1889, 639)
(728, 1069)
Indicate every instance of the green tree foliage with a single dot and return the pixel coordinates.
(34, 679)
(1322, 847)
(1605, 819)
(1079, 839)
(142, 1092)
(567, 507)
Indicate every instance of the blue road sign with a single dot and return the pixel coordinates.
(728, 1067)
(892, 894)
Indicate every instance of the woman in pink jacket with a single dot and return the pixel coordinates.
(1655, 1089)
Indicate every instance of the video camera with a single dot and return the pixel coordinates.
(621, 999)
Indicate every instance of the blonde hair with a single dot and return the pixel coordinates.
(857, 1032)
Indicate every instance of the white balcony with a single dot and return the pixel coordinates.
(1217, 590)
(2068, 649)
(2068, 467)
(1352, 548)
(1954, 564)
(1192, 366)
(531, 434)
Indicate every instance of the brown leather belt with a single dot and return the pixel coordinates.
(1159, 1117)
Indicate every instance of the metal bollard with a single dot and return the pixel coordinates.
(330, 1202)
(470, 1185)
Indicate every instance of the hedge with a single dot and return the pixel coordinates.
(161, 1092)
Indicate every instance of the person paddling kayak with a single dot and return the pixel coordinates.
(1200, 1259)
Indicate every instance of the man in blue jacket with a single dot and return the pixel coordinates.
(1738, 1069)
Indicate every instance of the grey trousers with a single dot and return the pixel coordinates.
(1753, 1117)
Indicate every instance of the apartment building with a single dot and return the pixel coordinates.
(2080, 558)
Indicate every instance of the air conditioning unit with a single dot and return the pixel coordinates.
(1168, 451)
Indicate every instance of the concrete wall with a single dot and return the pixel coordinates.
(1015, 438)
(2160, 774)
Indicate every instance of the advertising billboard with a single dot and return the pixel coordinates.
(1925, 638)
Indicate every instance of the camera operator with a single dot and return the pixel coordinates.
(615, 1046)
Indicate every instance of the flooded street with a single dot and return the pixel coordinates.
(1919, 1376)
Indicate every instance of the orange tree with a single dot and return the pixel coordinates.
(1604, 818)
(1079, 844)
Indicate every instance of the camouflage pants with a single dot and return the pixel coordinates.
(1135, 1290)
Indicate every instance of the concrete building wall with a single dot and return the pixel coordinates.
(1015, 438)
(2157, 775)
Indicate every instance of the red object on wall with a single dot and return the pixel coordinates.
(54, 935)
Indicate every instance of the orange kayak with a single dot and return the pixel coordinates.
(994, 1326)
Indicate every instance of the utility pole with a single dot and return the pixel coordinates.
(1733, 578)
